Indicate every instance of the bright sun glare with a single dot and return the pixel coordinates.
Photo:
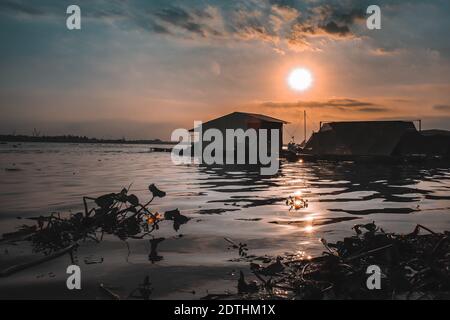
(300, 79)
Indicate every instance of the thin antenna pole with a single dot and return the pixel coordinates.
(304, 123)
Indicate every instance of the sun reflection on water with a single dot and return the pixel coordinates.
(309, 229)
(301, 255)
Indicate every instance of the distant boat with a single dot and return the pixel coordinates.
(161, 149)
(294, 149)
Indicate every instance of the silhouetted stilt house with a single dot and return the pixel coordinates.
(245, 121)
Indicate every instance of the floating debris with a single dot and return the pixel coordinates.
(119, 214)
(271, 270)
(153, 256)
(244, 287)
(249, 219)
(177, 218)
(156, 192)
(413, 266)
(296, 203)
(143, 291)
(16, 268)
(93, 260)
(241, 247)
(108, 292)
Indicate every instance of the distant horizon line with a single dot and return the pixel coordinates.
(68, 138)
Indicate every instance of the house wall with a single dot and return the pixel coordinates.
(418, 144)
(326, 143)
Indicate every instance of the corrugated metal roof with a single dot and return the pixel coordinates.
(263, 117)
(260, 117)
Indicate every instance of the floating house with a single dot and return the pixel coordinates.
(361, 138)
(245, 121)
(376, 139)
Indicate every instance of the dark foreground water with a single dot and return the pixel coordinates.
(37, 179)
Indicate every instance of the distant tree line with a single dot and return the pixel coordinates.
(75, 139)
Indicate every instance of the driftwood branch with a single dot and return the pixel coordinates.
(11, 270)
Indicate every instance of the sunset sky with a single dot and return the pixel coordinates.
(140, 69)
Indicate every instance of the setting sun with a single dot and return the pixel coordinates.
(300, 79)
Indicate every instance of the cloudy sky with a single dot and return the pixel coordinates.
(140, 69)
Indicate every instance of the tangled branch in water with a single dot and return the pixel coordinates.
(119, 214)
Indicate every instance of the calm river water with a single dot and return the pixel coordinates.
(38, 179)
